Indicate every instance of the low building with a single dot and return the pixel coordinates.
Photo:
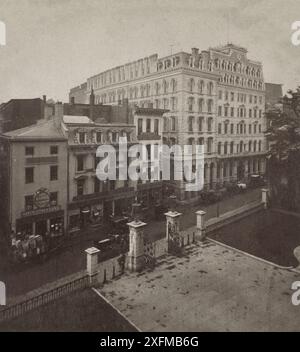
(48, 175)
(33, 180)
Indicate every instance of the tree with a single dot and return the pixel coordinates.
(283, 157)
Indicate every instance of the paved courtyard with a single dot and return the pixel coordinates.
(210, 288)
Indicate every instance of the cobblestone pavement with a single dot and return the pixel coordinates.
(210, 288)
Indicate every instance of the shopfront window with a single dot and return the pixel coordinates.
(53, 198)
(29, 202)
(80, 187)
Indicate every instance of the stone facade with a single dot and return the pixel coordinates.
(215, 97)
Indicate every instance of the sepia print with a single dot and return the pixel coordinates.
(149, 167)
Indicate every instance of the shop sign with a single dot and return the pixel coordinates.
(42, 198)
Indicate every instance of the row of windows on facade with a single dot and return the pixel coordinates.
(100, 137)
(29, 174)
(228, 147)
(149, 128)
(158, 88)
(237, 67)
(227, 168)
(81, 160)
(138, 92)
(30, 150)
(240, 97)
(240, 81)
(227, 111)
(120, 74)
(241, 128)
(201, 104)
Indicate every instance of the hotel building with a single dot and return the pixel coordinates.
(215, 97)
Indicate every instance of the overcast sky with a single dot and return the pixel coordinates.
(53, 45)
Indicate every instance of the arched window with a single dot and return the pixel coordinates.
(190, 104)
(201, 87)
(231, 147)
(219, 148)
(241, 146)
(200, 105)
(250, 146)
(209, 124)
(209, 106)
(191, 84)
(157, 88)
(225, 147)
(200, 123)
(165, 87)
(209, 145)
(166, 124)
(173, 123)
(254, 146)
(173, 85)
(190, 123)
(210, 88)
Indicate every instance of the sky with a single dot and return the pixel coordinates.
(53, 45)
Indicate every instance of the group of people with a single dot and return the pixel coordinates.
(27, 246)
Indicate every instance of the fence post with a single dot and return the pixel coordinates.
(173, 226)
(265, 197)
(136, 260)
(92, 262)
(200, 235)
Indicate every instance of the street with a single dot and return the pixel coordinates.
(23, 278)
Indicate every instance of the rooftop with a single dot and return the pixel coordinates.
(77, 119)
(42, 129)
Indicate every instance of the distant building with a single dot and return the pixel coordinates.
(19, 113)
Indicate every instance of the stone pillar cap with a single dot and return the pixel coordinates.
(173, 214)
(92, 250)
(200, 212)
(136, 224)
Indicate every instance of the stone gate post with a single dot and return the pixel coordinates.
(200, 225)
(92, 262)
(136, 260)
(172, 224)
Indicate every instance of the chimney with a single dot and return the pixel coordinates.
(195, 51)
(58, 114)
(44, 98)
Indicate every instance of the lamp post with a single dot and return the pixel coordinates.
(136, 210)
(172, 203)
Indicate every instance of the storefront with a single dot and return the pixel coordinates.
(41, 222)
(85, 216)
